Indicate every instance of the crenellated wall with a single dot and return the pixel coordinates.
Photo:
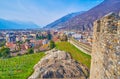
(106, 48)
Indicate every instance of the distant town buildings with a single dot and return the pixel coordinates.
(21, 40)
(10, 37)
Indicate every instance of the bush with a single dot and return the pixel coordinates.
(30, 51)
(52, 44)
(4, 52)
(63, 37)
(2, 43)
(19, 54)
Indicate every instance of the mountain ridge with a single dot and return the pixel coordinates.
(9, 24)
(60, 21)
(84, 21)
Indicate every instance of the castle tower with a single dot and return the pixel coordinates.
(106, 48)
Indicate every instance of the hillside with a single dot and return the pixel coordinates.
(76, 54)
(18, 67)
(15, 68)
(7, 24)
(85, 21)
(59, 23)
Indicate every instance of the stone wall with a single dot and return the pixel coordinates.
(106, 48)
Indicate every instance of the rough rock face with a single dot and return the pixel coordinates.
(58, 64)
(106, 48)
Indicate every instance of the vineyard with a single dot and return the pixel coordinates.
(20, 67)
(76, 54)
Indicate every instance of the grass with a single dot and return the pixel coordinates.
(20, 67)
(76, 54)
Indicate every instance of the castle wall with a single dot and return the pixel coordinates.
(106, 48)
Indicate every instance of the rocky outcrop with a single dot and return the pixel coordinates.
(59, 64)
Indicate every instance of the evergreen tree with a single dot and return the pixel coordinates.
(52, 44)
(49, 36)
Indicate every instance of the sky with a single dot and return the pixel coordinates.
(42, 12)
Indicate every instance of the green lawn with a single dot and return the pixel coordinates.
(19, 67)
(75, 53)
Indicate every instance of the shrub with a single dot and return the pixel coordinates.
(30, 51)
(52, 44)
(63, 37)
(5, 52)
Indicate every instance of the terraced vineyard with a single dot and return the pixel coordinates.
(75, 53)
(19, 67)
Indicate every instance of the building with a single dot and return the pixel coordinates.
(45, 41)
(10, 37)
(77, 36)
(2, 38)
(18, 38)
(106, 48)
(11, 45)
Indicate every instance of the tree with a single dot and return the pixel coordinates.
(49, 36)
(27, 40)
(40, 37)
(2, 43)
(30, 51)
(0, 54)
(63, 37)
(52, 44)
(5, 52)
(18, 44)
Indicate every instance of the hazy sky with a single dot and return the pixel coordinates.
(42, 12)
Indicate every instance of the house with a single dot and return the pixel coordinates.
(77, 36)
(45, 41)
(28, 45)
(10, 37)
(11, 45)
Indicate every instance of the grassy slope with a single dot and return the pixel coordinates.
(18, 67)
(75, 53)
(21, 67)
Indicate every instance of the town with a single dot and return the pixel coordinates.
(20, 41)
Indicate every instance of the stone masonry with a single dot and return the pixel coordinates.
(106, 48)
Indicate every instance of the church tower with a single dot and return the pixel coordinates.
(106, 48)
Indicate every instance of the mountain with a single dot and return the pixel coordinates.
(59, 23)
(7, 24)
(85, 21)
